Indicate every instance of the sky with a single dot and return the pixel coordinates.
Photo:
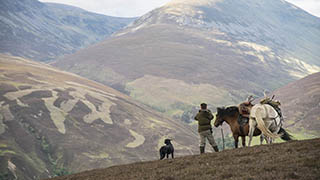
(134, 8)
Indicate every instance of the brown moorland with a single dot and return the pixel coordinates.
(291, 160)
(301, 105)
(55, 123)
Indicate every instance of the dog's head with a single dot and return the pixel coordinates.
(167, 141)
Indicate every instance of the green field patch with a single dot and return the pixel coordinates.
(15, 83)
(303, 135)
(3, 145)
(173, 96)
(296, 135)
(159, 122)
(290, 122)
(102, 155)
(175, 112)
(5, 152)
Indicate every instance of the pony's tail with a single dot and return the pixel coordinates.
(285, 135)
(261, 125)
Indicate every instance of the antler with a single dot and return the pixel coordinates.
(250, 98)
(272, 97)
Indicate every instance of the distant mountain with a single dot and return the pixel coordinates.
(45, 31)
(54, 123)
(301, 105)
(215, 51)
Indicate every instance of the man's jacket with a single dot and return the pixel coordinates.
(204, 118)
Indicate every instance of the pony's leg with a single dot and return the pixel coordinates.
(266, 139)
(269, 124)
(252, 126)
(243, 138)
(236, 140)
(261, 139)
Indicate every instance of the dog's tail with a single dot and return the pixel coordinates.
(162, 154)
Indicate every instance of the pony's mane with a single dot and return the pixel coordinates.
(229, 111)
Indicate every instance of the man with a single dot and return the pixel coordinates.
(204, 118)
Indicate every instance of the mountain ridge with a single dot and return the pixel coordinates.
(45, 31)
(232, 53)
(233, 18)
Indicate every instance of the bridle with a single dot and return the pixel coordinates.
(220, 121)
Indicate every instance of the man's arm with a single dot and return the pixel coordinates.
(196, 117)
(210, 116)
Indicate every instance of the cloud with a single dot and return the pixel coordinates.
(121, 8)
(311, 6)
(134, 8)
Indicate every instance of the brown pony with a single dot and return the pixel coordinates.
(230, 115)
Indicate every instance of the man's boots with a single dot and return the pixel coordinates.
(201, 149)
(216, 148)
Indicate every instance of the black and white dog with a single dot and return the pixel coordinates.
(167, 149)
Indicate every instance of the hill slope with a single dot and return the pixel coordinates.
(301, 105)
(45, 31)
(54, 123)
(292, 160)
(215, 51)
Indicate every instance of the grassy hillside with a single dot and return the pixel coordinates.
(300, 103)
(54, 123)
(291, 160)
(218, 52)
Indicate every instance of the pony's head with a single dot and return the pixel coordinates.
(219, 117)
(223, 113)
